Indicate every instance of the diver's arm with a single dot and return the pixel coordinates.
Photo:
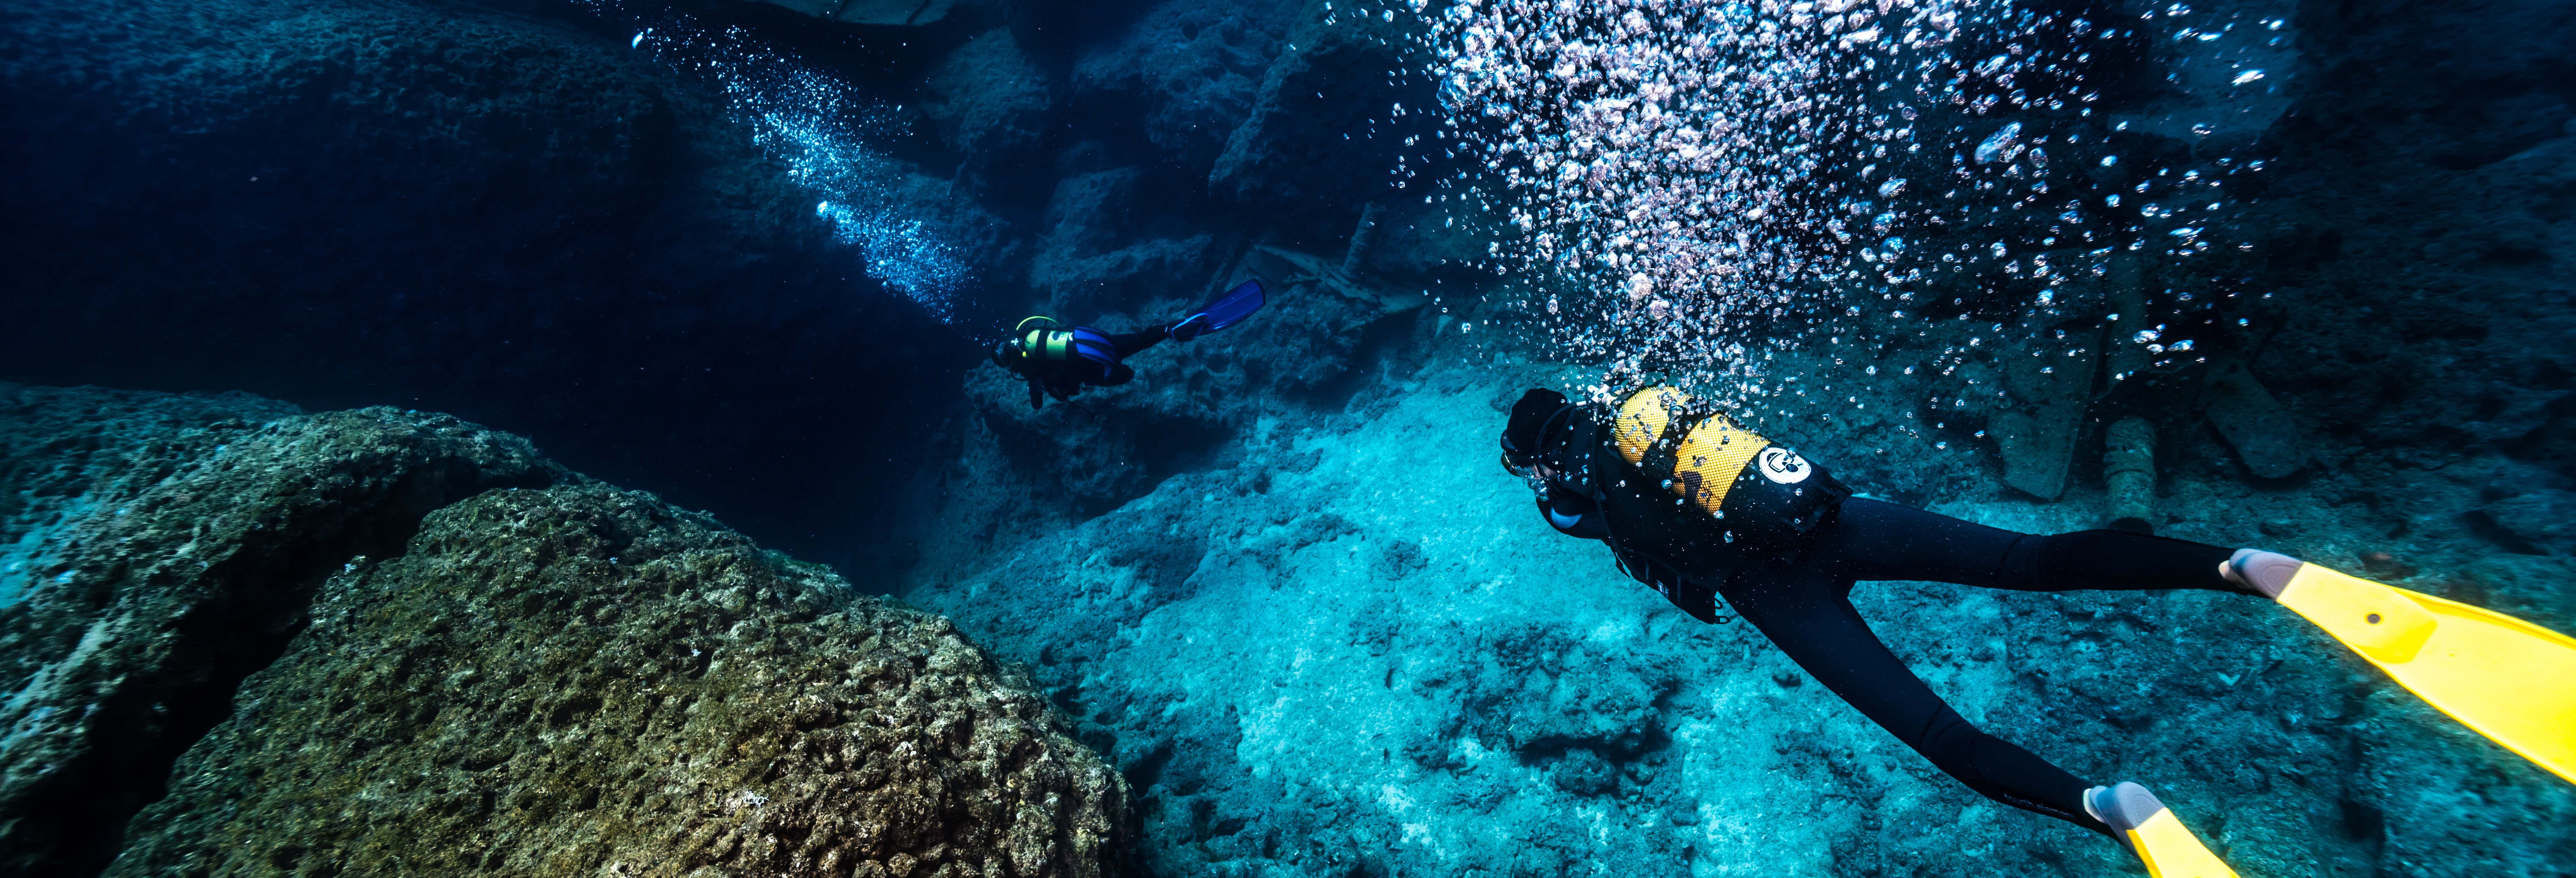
(1037, 395)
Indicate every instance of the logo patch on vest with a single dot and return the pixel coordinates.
(1782, 465)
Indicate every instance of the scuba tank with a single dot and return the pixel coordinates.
(1688, 489)
(1037, 345)
(1760, 494)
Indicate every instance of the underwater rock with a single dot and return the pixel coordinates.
(2037, 439)
(1140, 275)
(1090, 212)
(381, 640)
(64, 452)
(586, 681)
(2418, 274)
(1108, 445)
(2536, 523)
(877, 12)
(1093, 257)
(2129, 474)
(2262, 431)
(2225, 91)
(989, 102)
(1317, 109)
(160, 587)
(1420, 244)
(1192, 68)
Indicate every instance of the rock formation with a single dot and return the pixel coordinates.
(392, 640)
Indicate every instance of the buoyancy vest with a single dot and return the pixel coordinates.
(1687, 488)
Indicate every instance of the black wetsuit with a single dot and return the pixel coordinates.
(1799, 596)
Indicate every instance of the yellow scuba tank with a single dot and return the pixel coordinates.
(1042, 341)
(1706, 455)
(1760, 494)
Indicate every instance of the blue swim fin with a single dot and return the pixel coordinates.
(1227, 310)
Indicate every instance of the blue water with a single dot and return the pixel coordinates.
(751, 256)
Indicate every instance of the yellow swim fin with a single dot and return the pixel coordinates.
(2152, 831)
(2508, 679)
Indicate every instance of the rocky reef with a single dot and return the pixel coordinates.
(378, 640)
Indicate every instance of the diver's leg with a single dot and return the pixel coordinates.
(1873, 539)
(1127, 343)
(1809, 615)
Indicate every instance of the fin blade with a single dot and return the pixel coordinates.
(2171, 851)
(2502, 677)
(1236, 304)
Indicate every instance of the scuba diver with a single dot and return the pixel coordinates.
(1699, 508)
(1059, 362)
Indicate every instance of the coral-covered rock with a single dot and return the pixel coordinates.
(184, 567)
(64, 452)
(586, 681)
(390, 640)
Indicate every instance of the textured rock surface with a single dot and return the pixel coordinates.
(1325, 104)
(189, 571)
(989, 102)
(1193, 67)
(62, 452)
(412, 653)
(585, 681)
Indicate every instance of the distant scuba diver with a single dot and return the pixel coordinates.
(1058, 362)
(1698, 507)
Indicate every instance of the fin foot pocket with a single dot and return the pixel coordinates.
(2151, 830)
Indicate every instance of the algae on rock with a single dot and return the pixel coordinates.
(393, 642)
(583, 680)
(181, 568)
